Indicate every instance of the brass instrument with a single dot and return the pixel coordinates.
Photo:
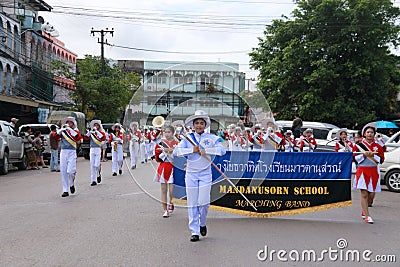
(158, 122)
(115, 145)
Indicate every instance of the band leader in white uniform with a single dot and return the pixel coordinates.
(198, 177)
(70, 136)
(97, 136)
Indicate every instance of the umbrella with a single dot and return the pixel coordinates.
(385, 124)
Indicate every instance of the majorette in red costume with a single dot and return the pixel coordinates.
(164, 171)
(290, 143)
(367, 176)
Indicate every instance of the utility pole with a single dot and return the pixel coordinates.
(102, 43)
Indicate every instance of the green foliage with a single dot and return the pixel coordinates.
(332, 59)
(109, 95)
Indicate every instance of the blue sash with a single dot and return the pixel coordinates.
(194, 140)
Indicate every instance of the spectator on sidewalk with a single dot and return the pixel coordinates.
(54, 140)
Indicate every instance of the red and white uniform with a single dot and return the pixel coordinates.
(165, 169)
(344, 146)
(134, 137)
(273, 141)
(148, 142)
(237, 143)
(258, 141)
(367, 175)
(69, 142)
(290, 144)
(307, 144)
(96, 141)
(116, 140)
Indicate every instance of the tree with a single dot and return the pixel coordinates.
(332, 59)
(109, 95)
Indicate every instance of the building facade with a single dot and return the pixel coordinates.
(175, 90)
(28, 88)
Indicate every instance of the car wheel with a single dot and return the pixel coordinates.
(4, 164)
(392, 181)
(23, 164)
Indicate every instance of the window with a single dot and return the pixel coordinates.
(188, 79)
(178, 79)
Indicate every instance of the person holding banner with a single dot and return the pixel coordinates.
(307, 141)
(368, 154)
(343, 144)
(257, 138)
(164, 176)
(197, 147)
(97, 136)
(116, 140)
(70, 136)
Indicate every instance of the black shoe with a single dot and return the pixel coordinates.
(72, 189)
(64, 194)
(99, 179)
(133, 167)
(93, 183)
(142, 162)
(146, 160)
(120, 172)
(203, 230)
(194, 238)
(114, 174)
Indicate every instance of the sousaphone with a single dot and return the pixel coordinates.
(158, 122)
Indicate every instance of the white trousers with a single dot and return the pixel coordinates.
(198, 188)
(117, 158)
(67, 168)
(134, 152)
(143, 151)
(95, 167)
(148, 150)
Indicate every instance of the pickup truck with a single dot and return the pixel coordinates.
(11, 149)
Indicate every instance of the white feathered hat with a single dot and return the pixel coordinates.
(198, 114)
(134, 123)
(115, 125)
(93, 122)
(72, 119)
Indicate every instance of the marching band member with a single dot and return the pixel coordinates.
(198, 176)
(290, 143)
(307, 141)
(143, 149)
(257, 138)
(116, 140)
(249, 138)
(164, 176)
(273, 139)
(70, 136)
(153, 137)
(135, 138)
(367, 177)
(96, 136)
(380, 141)
(237, 142)
(148, 144)
(343, 144)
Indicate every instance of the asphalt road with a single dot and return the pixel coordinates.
(119, 223)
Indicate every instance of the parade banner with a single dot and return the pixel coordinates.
(276, 183)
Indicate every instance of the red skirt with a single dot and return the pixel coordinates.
(367, 178)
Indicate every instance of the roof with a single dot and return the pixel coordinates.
(191, 66)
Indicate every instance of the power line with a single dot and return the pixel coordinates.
(181, 52)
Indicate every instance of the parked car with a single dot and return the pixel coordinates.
(390, 169)
(11, 149)
(45, 131)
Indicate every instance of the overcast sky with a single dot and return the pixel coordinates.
(167, 25)
(152, 24)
